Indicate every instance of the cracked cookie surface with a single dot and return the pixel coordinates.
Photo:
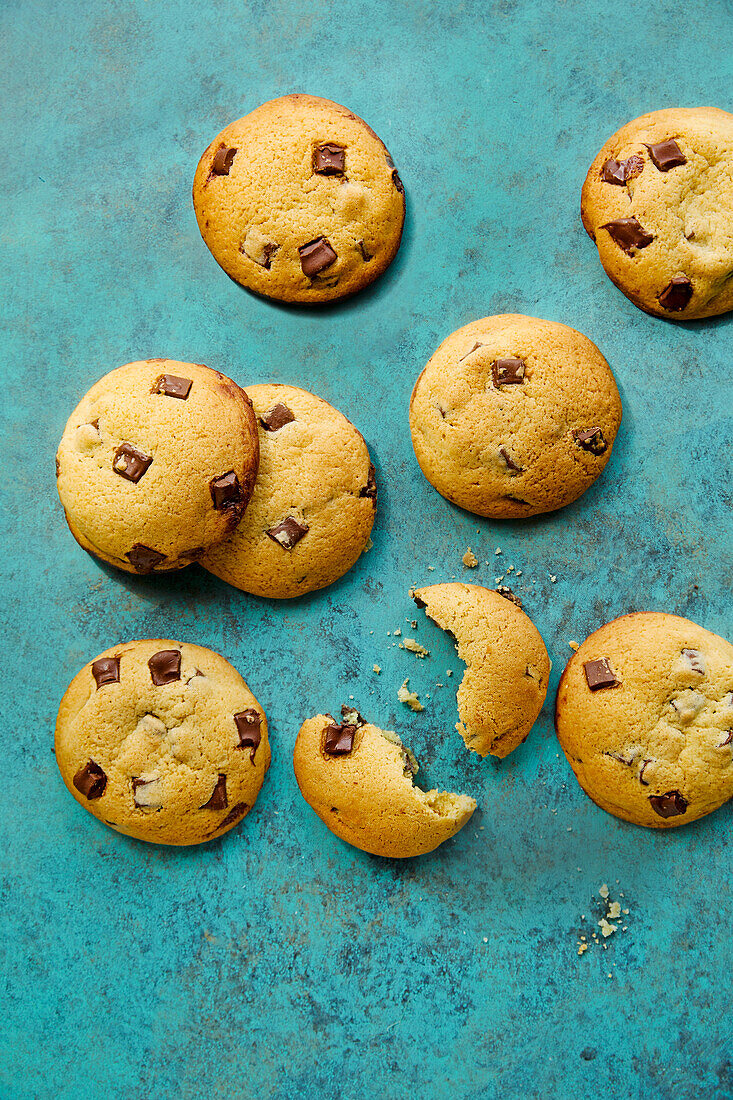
(507, 666)
(644, 714)
(514, 416)
(300, 201)
(359, 780)
(156, 463)
(658, 202)
(163, 741)
(313, 505)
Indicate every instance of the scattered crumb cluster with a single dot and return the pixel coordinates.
(612, 921)
(409, 697)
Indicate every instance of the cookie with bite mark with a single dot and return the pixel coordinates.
(644, 715)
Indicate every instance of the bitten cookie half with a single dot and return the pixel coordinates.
(644, 715)
(163, 741)
(313, 505)
(300, 201)
(157, 463)
(359, 780)
(507, 666)
(514, 416)
(658, 202)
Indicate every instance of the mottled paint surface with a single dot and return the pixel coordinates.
(277, 962)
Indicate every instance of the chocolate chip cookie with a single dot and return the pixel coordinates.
(300, 201)
(644, 715)
(658, 202)
(514, 416)
(505, 682)
(157, 463)
(313, 505)
(162, 741)
(359, 780)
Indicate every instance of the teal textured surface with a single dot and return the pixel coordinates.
(278, 962)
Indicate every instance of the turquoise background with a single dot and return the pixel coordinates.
(278, 962)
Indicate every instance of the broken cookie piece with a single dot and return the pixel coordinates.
(366, 795)
(505, 682)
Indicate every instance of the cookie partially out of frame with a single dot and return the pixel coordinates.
(359, 780)
(658, 202)
(300, 201)
(514, 416)
(162, 741)
(157, 463)
(313, 505)
(505, 682)
(644, 714)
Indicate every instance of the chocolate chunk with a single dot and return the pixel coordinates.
(669, 804)
(600, 675)
(329, 159)
(218, 800)
(676, 295)
(505, 591)
(106, 670)
(397, 181)
(237, 811)
(276, 418)
(666, 155)
(222, 162)
(695, 660)
(351, 716)
(130, 463)
(338, 740)
(511, 464)
(590, 439)
(143, 559)
(620, 171)
(226, 491)
(370, 489)
(316, 256)
(248, 724)
(628, 234)
(366, 255)
(288, 533)
(508, 372)
(90, 780)
(165, 666)
(173, 386)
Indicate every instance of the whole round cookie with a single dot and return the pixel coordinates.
(505, 682)
(313, 504)
(300, 201)
(514, 416)
(644, 714)
(358, 779)
(157, 463)
(658, 202)
(163, 741)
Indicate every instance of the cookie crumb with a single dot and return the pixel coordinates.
(377, 669)
(603, 891)
(415, 647)
(582, 947)
(606, 928)
(449, 672)
(469, 559)
(553, 578)
(409, 697)
(498, 550)
(397, 633)
(614, 910)
(574, 645)
(368, 546)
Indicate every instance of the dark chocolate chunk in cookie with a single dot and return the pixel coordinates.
(223, 160)
(248, 723)
(288, 533)
(226, 491)
(628, 234)
(277, 417)
(130, 463)
(669, 804)
(316, 256)
(90, 780)
(510, 463)
(620, 171)
(666, 155)
(676, 295)
(173, 386)
(329, 159)
(599, 674)
(218, 800)
(338, 740)
(106, 670)
(165, 666)
(144, 559)
(508, 372)
(591, 439)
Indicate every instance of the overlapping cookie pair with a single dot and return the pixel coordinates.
(165, 463)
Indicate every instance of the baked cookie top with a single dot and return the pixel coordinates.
(359, 780)
(513, 416)
(658, 202)
(507, 666)
(156, 463)
(644, 714)
(163, 741)
(313, 504)
(300, 201)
